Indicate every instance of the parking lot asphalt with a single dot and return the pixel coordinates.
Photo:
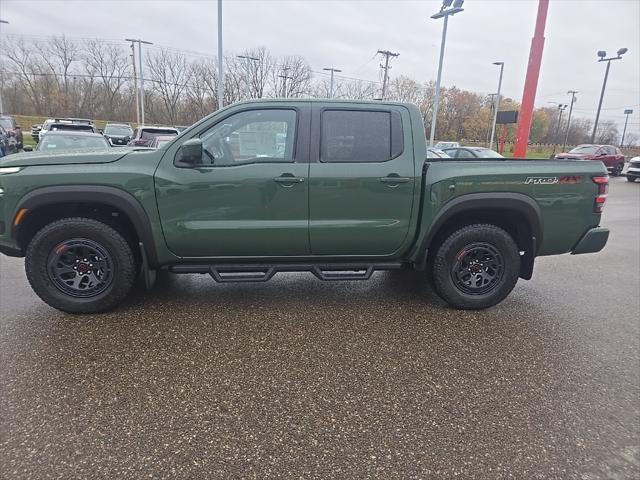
(300, 378)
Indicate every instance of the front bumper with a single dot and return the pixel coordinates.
(633, 172)
(593, 241)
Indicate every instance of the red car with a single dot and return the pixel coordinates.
(611, 156)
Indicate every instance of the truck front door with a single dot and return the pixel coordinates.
(249, 197)
(362, 180)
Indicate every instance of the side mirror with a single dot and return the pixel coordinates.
(27, 148)
(18, 127)
(189, 154)
(602, 154)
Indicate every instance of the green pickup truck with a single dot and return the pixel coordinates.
(339, 189)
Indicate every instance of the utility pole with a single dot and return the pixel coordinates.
(332, 70)
(247, 66)
(220, 67)
(573, 100)
(2, 78)
(387, 54)
(140, 63)
(135, 83)
(627, 112)
(284, 81)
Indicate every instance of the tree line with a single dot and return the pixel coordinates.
(59, 76)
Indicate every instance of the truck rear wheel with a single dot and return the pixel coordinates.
(80, 265)
(476, 267)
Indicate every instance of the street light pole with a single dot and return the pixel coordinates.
(573, 100)
(140, 63)
(627, 112)
(445, 11)
(220, 68)
(602, 54)
(495, 112)
(247, 65)
(561, 108)
(332, 70)
(2, 78)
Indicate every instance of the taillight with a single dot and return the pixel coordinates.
(601, 197)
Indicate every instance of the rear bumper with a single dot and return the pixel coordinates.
(593, 241)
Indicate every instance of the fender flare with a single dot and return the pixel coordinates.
(513, 202)
(110, 196)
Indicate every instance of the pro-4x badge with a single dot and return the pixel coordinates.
(541, 180)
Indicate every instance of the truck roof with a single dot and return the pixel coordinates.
(289, 101)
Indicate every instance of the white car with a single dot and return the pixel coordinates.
(633, 171)
(443, 145)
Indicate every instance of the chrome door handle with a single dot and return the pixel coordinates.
(288, 179)
(394, 179)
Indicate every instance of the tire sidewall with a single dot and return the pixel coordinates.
(446, 258)
(50, 236)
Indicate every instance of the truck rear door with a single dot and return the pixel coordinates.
(362, 179)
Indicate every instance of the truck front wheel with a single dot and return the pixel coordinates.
(476, 267)
(80, 265)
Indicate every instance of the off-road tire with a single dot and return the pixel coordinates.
(122, 260)
(450, 256)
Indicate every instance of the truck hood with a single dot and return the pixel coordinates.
(29, 159)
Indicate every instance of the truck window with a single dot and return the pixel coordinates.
(360, 136)
(252, 136)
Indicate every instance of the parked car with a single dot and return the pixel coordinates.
(633, 172)
(472, 152)
(8, 143)
(35, 131)
(443, 145)
(142, 136)
(70, 140)
(160, 140)
(118, 133)
(351, 193)
(75, 124)
(611, 156)
(435, 153)
(13, 128)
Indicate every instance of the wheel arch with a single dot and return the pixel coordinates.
(86, 197)
(516, 213)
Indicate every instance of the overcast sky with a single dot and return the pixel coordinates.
(346, 35)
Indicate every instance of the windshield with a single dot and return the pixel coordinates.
(434, 153)
(148, 134)
(117, 130)
(71, 142)
(6, 122)
(486, 153)
(588, 149)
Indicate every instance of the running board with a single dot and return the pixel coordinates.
(229, 273)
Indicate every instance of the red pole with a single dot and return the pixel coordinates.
(531, 82)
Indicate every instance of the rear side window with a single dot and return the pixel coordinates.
(360, 136)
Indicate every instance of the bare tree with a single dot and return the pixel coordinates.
(169, 73)
(291, 77)
(111, 65)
